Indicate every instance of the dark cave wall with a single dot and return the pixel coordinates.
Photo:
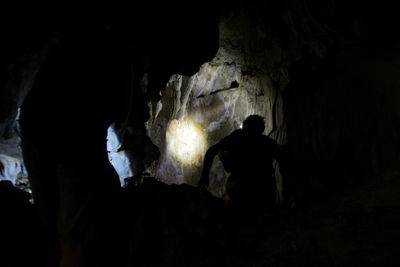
(339, 103)
(21, 56)
(160, 39)
(342, 119)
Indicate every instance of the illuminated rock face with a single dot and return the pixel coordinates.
(118, 159)
(243, 78)
(216, 99)
(186, 141)
(12, 167)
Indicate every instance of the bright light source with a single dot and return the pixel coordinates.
(186, 141)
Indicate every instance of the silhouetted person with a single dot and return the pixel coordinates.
(64, 122)
(248, 156)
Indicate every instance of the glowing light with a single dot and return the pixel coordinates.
(186, 141)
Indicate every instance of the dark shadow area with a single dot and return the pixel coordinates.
(179, 225)
(22, 241)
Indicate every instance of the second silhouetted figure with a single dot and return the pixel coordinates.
(247, 154)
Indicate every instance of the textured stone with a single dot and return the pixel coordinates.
(217, 98)
(118, 159)
(12, 166)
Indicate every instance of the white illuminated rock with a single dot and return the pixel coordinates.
(119, 159)
(11, 160)
(12, 168)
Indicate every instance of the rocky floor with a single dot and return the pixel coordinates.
(180, 225)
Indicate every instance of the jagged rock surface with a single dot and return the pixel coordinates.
(218, 97)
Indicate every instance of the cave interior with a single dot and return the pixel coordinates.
(106, 112)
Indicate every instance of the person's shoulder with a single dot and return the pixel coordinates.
(234, 134)
(268, 140)
(232, 137)
(237, 132)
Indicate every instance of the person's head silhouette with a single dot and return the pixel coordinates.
(254, 123)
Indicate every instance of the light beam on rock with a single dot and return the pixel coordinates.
(186, 141)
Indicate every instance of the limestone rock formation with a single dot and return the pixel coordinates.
(217, 98)
(12, 167)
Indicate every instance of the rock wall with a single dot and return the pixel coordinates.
(217, 98)
(258, 69)
(12, 167)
